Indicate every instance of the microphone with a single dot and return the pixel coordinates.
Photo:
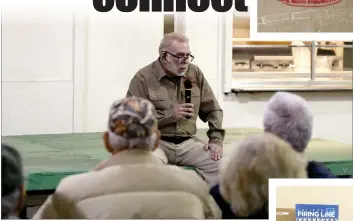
(188, 86)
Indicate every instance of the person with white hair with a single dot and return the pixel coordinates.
(180, 92)
(133, 183)
(243, 189)
(289, 116)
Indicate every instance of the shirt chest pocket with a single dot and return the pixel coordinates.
(159, 98)
(195, 97)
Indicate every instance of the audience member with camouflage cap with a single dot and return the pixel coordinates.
(132, 124)
(133, 183)
(132, 118)
(12, 181)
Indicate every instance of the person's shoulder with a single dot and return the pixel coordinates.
(73, 189)
(195, 69)
(83, 185)
(146, 70)
(145, 74)
(73, 182)
(196, 73)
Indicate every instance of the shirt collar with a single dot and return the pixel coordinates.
(160, 73)
(133, 156)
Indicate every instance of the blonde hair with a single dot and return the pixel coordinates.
(244, 182)
(169, 38)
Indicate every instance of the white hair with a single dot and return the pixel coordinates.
(120, 143)
(169, 38)
(9, 204)
(289, 116)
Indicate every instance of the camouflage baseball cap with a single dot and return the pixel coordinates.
(11, 169)
(132, 117)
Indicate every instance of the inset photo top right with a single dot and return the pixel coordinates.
(327, 16)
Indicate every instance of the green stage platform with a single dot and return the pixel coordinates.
(49, 158)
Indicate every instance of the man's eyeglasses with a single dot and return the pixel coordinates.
(181, 58)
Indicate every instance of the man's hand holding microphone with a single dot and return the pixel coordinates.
(186, 110)
(183, 111)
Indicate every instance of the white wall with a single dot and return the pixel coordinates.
(37, 77)
(62, 70)
(92, 60)
(115, 52)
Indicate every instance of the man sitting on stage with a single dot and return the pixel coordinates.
(133, 183)
(164, 83)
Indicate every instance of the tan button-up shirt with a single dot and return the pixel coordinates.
(152, 83)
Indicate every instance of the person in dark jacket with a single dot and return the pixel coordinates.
(289, 116)
(12, 183)
(318, 170)
(242, 192)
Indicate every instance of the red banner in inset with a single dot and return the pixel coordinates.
(310, 3)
